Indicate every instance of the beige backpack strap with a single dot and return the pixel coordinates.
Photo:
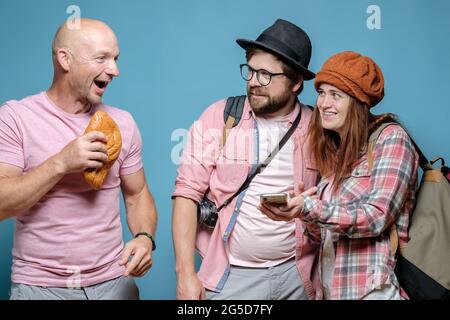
(370, 155)
(393, 234)
(226, 130)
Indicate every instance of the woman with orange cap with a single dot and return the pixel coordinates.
(356, 204)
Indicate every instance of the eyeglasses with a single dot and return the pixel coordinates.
(264, 77)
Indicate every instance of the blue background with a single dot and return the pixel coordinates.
(177, 57)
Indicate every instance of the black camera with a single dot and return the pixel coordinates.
(207, 213)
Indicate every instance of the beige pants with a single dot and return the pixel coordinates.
(281, 282)
(116, 289)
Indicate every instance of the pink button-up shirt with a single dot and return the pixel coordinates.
(205, 166)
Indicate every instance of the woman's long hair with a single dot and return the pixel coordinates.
(338, 155)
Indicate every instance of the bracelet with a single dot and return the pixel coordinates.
(148, 235)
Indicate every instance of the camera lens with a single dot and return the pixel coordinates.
(207, 213)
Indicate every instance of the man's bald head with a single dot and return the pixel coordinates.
(84, 60)
(72, 38)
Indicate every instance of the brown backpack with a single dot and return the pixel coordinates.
(423, 264)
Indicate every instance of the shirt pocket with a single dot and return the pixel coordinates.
(311, 176)
(358, 183)
(230, 170)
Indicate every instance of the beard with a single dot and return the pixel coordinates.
(269, 104)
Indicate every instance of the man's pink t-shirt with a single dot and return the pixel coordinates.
(73, 236)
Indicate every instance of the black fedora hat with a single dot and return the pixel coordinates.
(288, 41)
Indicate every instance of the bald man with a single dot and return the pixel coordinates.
(68, 237)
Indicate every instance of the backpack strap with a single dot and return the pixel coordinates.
(393, 235)
(232, 115)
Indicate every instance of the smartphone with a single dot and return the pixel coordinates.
(274, 198)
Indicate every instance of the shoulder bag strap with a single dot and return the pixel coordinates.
(266, 162)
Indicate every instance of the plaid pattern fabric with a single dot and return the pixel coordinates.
(362, 211)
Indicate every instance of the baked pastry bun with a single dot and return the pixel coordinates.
(102, 122)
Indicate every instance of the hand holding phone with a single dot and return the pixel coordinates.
(279, 199)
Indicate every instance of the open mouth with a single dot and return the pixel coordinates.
(101, 84)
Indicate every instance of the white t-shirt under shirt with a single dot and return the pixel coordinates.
(73, 235)
(256, 240)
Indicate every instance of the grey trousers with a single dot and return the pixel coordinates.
(281, 282)
(122, 288)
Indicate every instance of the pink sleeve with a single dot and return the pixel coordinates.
(11, 151)
(133, 160)
(200, 153)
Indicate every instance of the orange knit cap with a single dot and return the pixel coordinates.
(356, 75)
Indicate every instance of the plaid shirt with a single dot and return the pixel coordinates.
(362, 211)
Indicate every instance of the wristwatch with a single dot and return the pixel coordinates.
(148, 235)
